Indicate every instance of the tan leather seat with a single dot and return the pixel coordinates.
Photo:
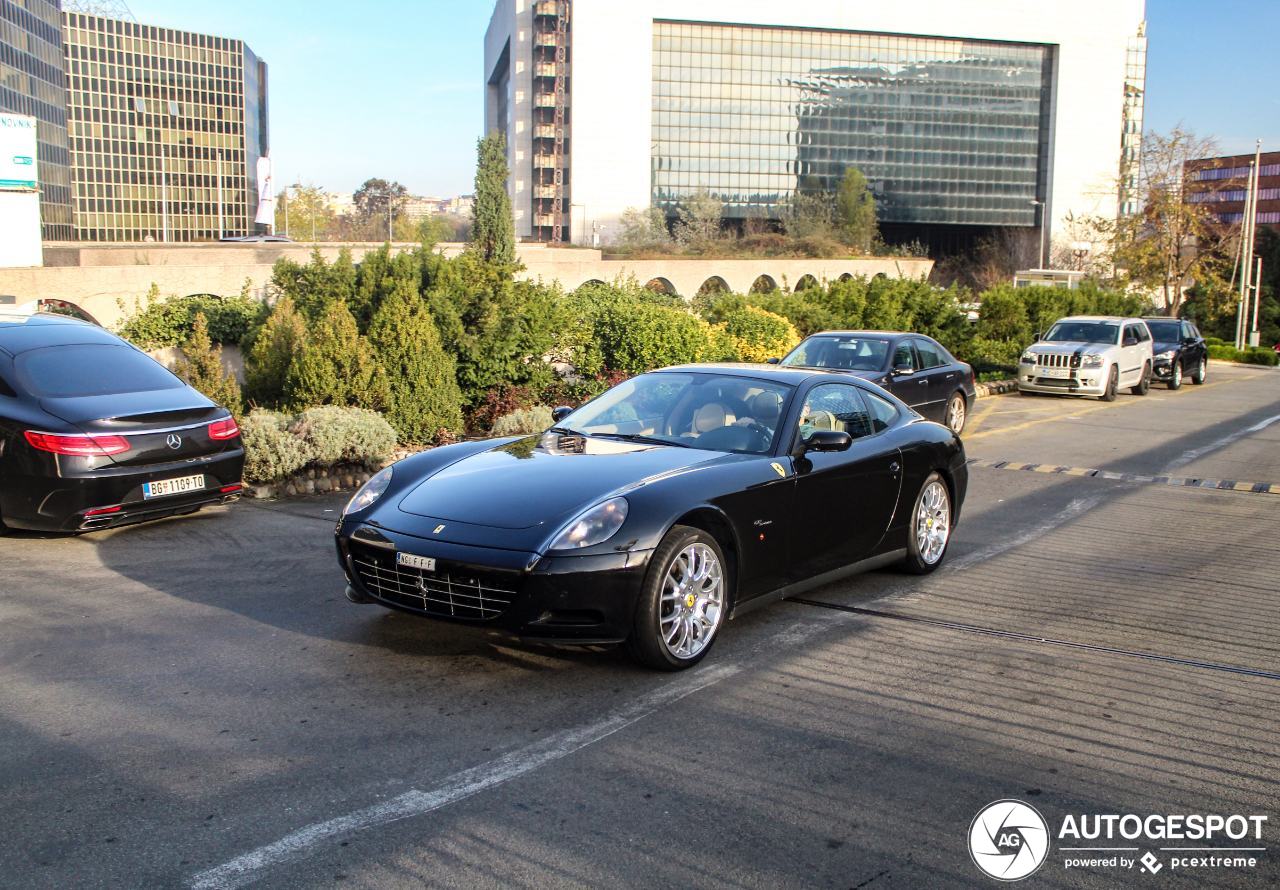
(711, 416)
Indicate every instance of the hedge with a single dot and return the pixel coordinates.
(1253, 355)
(278, 445)
(170, 322)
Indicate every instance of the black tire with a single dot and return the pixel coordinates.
(1113, 385)
(1175, 374)
(957, 416)
(1144, 385)
(646, 642)
(915, 561)
(1201, 373)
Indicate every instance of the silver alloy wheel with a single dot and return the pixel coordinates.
(955, 415)
(692, 604)
(933, 522)
(1203, 371)
(1177, 372)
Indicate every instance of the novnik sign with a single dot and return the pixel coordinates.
(18, 168)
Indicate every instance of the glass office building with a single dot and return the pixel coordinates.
(165, 130)
(947, 131)
(32, 83)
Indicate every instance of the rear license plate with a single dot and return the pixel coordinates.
(1060, 373)
(166, 487)
(422, 563)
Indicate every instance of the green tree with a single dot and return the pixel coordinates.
(421, 377)
(313, 287)
(493, 234)
(336, 366)
(856, 211)
(275, 346)
(303, 212)
(201, 367)
(378, 200)
(698, 227)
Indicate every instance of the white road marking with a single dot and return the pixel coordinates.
(244, 869)
(1197, 453)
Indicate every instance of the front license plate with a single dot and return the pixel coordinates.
(167, 487)
(422, 563)
(1060, 373)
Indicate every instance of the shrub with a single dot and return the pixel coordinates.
(1214, 341)
(636, 337)
(201, 367)
(523, 422)
(1254, 355)
(1003, 315)
(989, 356)
(162, 323)
(271, 451)
(314, 287)
(757, 334)
(275, 345)
(499, 402)
(422, 382)
(336, 366)
(333, 435)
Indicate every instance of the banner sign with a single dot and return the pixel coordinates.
(18, 168)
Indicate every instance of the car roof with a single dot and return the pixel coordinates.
(1120, 318)
(880, 334)
(20, 333)
(791, 376)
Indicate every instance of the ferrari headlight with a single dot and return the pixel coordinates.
(596, 525)
(369, 492)
(1093, 360)
(1166, 356)
(1028, 358)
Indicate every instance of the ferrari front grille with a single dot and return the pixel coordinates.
(459, 594)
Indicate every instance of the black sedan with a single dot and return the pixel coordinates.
(915, 368)
(651, 514)
(1180, 351)
(94, 433)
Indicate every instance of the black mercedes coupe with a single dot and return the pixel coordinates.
(95, 433)
(670, 503)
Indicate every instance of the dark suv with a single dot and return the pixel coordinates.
(1179, 350)
(95, 433)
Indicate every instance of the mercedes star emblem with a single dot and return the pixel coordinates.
(174, 441)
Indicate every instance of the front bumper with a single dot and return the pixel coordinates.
(112, 496)
(1082, 382)
(562, 599)
(1163, 368)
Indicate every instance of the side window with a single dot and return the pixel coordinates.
(929, 355)
(904, 356)
(1130, 336)
(1144, 333)
(835, 406)
(883, 412)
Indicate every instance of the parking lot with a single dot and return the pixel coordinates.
(194, 702)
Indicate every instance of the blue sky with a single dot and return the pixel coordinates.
(394, 88)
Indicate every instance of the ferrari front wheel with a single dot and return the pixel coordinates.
(683, 602)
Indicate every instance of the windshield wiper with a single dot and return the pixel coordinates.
(642, 440)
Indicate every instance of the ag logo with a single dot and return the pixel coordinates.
(1008, 840)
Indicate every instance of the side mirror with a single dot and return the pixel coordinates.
(774, 361)
(902, 369)
(559, 414)
(827, 440)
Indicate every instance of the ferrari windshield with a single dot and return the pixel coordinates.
(1083, 332)
(847, 353)
(714, 412)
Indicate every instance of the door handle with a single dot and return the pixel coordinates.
(924, 382)
(894, 468)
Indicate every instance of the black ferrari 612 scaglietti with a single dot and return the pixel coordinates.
(651, 514)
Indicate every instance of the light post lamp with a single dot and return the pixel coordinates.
(1044, 232)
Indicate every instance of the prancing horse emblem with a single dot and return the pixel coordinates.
(174, 441)
(438, 530)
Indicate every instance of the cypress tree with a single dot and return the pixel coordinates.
(336, 366)
(421, 376)
(201, 367)
(493, 233)
(272, 354)
(856, 210)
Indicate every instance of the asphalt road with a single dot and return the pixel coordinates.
(194, 703)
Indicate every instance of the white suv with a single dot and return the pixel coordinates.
(1089, 356)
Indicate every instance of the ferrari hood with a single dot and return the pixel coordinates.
(520, 485)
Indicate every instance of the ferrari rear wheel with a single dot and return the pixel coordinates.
(929, 534)
(683, 602)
